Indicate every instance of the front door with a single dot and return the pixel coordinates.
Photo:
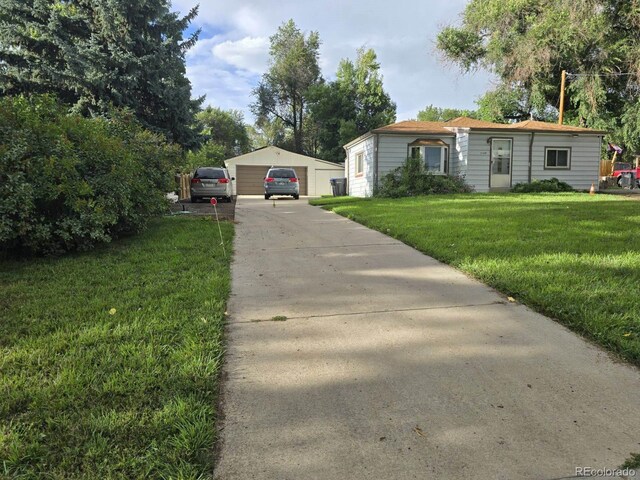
(500, 163)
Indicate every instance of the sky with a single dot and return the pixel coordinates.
(233, 50)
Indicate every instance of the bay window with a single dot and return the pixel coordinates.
(434, 153)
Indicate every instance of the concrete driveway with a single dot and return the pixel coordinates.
(391, 365)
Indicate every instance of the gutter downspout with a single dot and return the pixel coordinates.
(346, 167)
(533, 134)
(375, 164)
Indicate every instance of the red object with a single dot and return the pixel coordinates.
(195, 180)
(269, 179)
(293, 180)
(214, 201)
(635, 171)
(223, 180)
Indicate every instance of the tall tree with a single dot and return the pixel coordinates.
(527, 44)
(98, 53)
(353, 104)
(293, 69)
(269, 132)
(225, 128)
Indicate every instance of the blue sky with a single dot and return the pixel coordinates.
(232, 53)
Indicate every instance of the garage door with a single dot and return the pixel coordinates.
(250, 179)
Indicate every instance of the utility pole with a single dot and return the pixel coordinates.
(562, 84)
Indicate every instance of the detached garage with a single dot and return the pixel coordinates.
(250, 169)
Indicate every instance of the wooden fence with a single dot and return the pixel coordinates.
(185, 185)
(605, 168)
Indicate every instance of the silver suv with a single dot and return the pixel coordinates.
(281, 181)
(209, 182)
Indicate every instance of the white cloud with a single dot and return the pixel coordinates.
(227, 63)
(249, 53)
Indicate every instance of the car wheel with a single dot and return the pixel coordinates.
(194, 199)
(228, 199)
(267, 197)
(296, 197)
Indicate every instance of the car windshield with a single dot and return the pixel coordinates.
(209, 173)
(282, 173)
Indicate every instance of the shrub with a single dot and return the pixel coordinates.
(412, 179)
(536, 186)
(69, 183)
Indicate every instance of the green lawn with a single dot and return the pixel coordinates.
(571, 256)
(109, 360)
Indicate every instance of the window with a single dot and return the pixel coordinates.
(209, 173)
(281, 173)
(435, 157)
(359, 163)
(557, 158)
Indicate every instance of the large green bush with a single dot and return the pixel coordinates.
(69, 182)
(537, 186)
(412, 179)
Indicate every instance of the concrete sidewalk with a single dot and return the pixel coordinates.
(393, 365)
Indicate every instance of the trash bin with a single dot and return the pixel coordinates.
(626, 180)
(339, 187)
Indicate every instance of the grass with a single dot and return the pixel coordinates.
(109, 360)
(571, 256)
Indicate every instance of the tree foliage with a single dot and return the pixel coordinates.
(293, 69)
(99, 53)
(225, 128)
(432, 113)
(527, 44)
(353, 104)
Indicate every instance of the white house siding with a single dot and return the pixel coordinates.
(394, 149)
(361, 186)
(585, 159)
(477, 172)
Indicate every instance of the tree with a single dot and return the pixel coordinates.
(350, 106)
(293, 69)
(226, 129)
(102, 53)
(527, 44)
(268, 132)
(436, 114)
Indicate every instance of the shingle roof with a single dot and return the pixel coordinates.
(446, 128)
(466, 122)
(526, 126)
(535, 126)
(419, 128)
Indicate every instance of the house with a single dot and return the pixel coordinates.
(250, 169)
(490, 156)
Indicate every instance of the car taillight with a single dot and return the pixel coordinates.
(195, 180)
(223, 180)
(293, 180)
(269, 179)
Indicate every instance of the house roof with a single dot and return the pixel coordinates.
(412, 126)
(466, 122)
(526, 126)
(446, 128)
(535, 126)
(259, 154)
